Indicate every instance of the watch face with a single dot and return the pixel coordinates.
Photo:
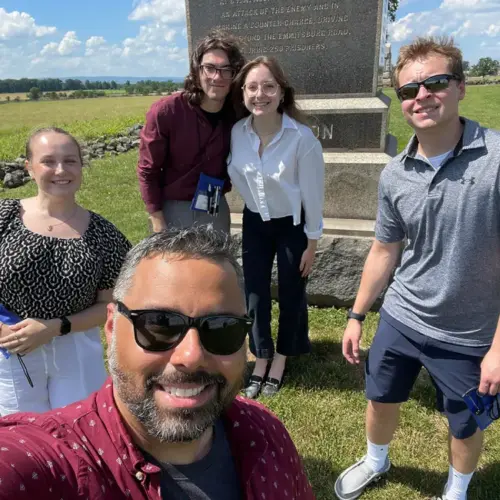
(65, 325)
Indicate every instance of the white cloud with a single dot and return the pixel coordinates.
(94, 44)
(157, 49)
(475, 5)
(95, 41)
(493, 30)
(165, 11)
(69, 43)
(401, 30)
(18, 24)
(459, 18)
(65, 47)
(49, 49)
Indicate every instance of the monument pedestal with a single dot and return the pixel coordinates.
(331, 53)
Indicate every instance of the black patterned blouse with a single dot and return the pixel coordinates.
(45, 277)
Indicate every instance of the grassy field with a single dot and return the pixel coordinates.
(322, 402)
(12, 96)
(85, 118)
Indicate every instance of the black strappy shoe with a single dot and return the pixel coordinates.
(271, 387)
(254, 386)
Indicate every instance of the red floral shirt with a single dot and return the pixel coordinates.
(83, 451)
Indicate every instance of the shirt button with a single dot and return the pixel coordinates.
(139, 476)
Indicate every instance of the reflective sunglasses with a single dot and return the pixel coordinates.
(268, 88)
(161, 330)
(432, 84)
(211, 71)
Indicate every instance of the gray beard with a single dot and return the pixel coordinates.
(171, 425)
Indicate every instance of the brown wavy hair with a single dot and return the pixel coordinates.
(213, 41)
(424, 47)
(287, 104)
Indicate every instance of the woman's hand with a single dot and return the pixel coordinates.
(307, 260)
(29, 334)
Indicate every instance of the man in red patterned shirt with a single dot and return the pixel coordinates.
(168, 423)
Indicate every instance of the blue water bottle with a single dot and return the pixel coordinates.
(7, 318)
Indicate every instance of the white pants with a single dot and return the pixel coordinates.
(65, 370)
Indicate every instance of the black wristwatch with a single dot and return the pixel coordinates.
(352, 315)
(65, 325)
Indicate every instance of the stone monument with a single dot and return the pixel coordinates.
(387, 75)
(331, 52)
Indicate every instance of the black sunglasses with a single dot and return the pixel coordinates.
(161, 330)
(432, 84)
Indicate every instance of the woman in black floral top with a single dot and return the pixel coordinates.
(58, 265)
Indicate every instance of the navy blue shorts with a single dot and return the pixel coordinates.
(396, 357)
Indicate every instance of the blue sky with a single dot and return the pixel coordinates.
(41, 38)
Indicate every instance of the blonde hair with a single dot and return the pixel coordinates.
(424, 47)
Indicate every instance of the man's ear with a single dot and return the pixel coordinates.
(110, 318)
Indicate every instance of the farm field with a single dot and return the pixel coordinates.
(322, 403)
(85, 118)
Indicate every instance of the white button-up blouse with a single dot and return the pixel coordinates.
(289, 176)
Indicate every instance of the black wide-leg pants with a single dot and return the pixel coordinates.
(262, 241)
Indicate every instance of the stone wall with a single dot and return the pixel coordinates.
(13, 173)
(336, 273)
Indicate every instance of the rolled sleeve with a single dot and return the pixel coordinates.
(312, 189)
(153, 151)
(388, 226)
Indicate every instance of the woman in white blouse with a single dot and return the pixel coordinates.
(276, 163)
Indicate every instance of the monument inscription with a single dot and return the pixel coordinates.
(326, 48)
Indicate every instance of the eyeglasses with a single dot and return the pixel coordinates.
(161, 330)
(432, 84)
(268, 88)
(211, 71)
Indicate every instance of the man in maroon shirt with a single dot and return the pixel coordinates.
(189, 133)
(168, 424)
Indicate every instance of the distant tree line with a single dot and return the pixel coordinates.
(11, 86)
(146, 87)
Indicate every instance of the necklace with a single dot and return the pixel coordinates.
(52, 226)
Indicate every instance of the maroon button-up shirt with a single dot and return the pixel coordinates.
(177, 144)
(83, 451)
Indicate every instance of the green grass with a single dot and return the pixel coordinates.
(322, 402)
(481, 103)
(85, 118)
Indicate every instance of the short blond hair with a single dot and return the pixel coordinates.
(424, 47)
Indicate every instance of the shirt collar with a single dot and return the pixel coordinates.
(287, 122)
(472, 138)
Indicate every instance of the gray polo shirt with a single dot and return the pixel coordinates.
(448, 284)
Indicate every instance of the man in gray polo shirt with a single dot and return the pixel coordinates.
(441, 197)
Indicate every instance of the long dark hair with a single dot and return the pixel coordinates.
(213, 41)
(287, 104)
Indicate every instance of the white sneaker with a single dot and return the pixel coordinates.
(353, 481)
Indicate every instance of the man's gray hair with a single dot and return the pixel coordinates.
(198, 242)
